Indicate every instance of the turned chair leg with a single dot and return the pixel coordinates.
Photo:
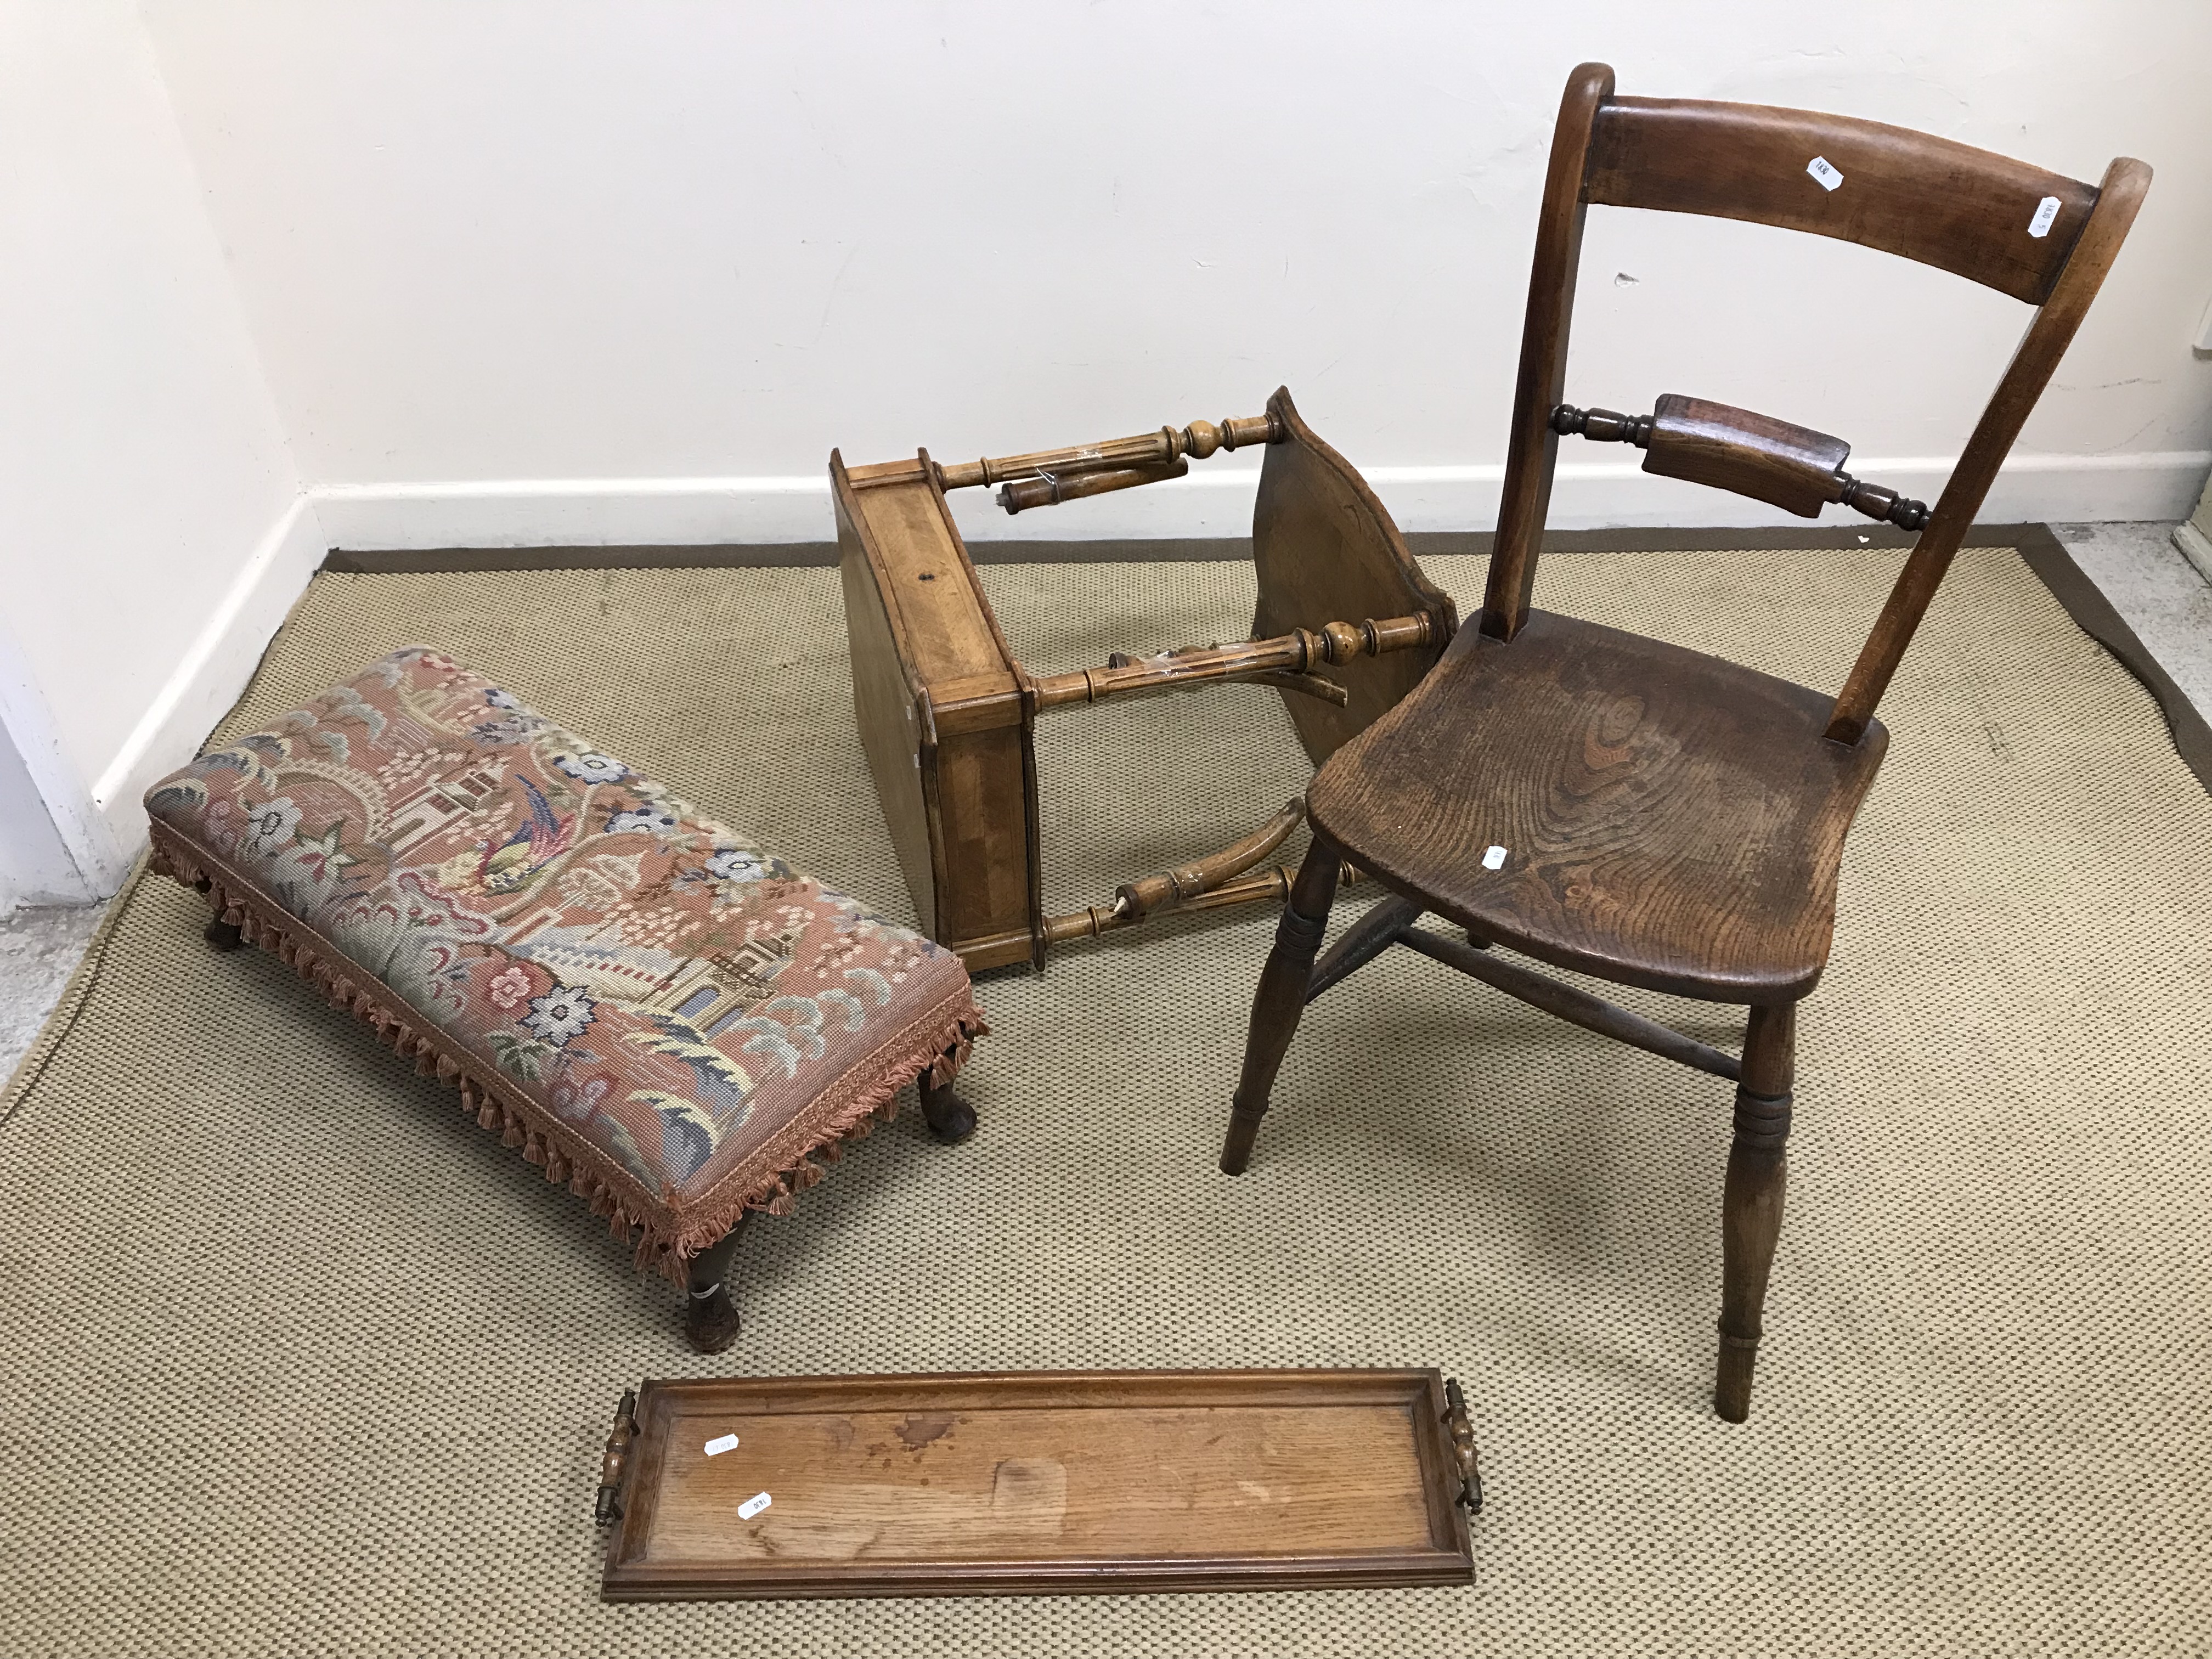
(710, 1315)
(1281, 998)
(1751, 1201)
(951, 1119)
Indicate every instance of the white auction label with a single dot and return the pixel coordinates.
(1494, 858)
(2046, 211)
(721, 1443)
(1823, 174)
(752, 1506)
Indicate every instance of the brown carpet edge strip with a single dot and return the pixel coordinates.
(2093, 613)
(764, 556)
(2046, 556)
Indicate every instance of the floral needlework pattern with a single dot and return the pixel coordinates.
(643, 975)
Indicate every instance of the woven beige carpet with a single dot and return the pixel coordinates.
(295, 1360)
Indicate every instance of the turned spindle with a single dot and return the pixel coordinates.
(1298, 651)
(1157, 449)
(1877, 501)
(1201, 438)
(1271, 886)
(1174, 888)
(1752, 1199)
(1050, 489)
(1601, 426)
(1281, 997)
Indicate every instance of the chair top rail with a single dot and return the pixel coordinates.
(2005, 224)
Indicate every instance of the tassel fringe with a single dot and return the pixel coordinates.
(666, 1240)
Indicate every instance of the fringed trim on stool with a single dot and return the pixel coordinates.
(936, 1044)
(936, 1047)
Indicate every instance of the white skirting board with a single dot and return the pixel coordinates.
(103, 826)
(1215, 500)
(2194, 536)
(2196, 547)
(53, 848)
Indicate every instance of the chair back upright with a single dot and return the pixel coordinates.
(2040, 237)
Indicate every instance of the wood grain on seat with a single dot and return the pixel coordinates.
(1670, 820)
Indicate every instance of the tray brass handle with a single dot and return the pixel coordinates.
(615, 1465)
(1462, 1443)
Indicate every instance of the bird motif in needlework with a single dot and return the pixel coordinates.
(516, 862)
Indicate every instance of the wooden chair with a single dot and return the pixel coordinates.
(1346, 625)
(1629, 809)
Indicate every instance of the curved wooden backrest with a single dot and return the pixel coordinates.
(1980, 215)
(1965, 210)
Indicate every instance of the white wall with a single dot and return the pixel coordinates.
(577, 270)
(143, 468)
(420, 273)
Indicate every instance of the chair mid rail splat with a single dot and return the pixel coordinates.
(1748, 454)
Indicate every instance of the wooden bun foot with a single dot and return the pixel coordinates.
(710, 1316)
(951, 1120)
(710, 1322)
(223, 935)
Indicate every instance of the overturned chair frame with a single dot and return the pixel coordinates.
(1625, 808)
(1346, 625)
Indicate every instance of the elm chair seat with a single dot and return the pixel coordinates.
(1669, 819)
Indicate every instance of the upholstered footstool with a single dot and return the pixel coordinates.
(671, 1022)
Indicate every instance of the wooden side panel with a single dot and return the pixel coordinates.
(979, 804)
(887, 705)
(947, 635)
(1041, 1483)
(995, 950)
(1325, 550)
(1944, 204)
(961, 815)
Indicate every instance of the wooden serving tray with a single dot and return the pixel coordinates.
(1038, 1483)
